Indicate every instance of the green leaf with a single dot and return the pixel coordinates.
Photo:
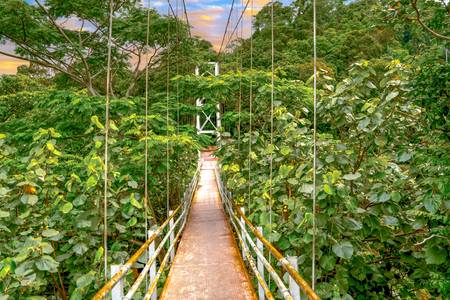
(363, 123)
(327, 189)
(391, 96)
(284, 170)
(384, 197)
(264, 218)
(435, 255)
(432, 203)
(40, 172)
(283, 243)
(113, 126)
(99, 254)
(94, 119)
(2, 136)
(4, 214)
(66, 208)
(404, 156)
(134, 202)
(80, 248)
(370, 85)
(132, 222)
(396, 196)
(47, 263)
(29, 199)
(120, 227)
(343, 250)
(285, 150)
(133, 184)
(85, 280)
(327, 262)
(390, 220)
(52, 149)
(5, 271)
(50, 233)
(80, 200)
(306, 188)
(352, 176)
(293, 181)
(91, 182)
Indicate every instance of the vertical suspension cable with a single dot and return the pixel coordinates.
(177, 68)
(239, 67)
(251, 111)
(147, 37)
(313, 263)
(106, 160)
(167, 112)
(272, 96)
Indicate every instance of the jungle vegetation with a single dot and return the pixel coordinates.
(383, 190)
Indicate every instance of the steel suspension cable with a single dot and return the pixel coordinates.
(147, 37)
(239, 55)
(226, 29)
(167, 115)
(251, 111)
(187, 18)
(177, 68)
(272, 148)
(238, 22)
(313, 263)
(106, 160)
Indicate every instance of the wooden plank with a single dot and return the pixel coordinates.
(207, 264)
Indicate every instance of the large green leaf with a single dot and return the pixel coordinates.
(47, 263)
(343, 249)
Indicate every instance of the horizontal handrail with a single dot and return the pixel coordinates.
(127, 266)
(154, 282)
(277, 254)
(183, 216)
(108, 286)
(283, 260)
(278, 280)
(150, 261)
(251, 262)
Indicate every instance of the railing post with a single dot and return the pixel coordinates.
(152, 271)
(117, 290)
(243, 234)
(260, 265)
(294, 288)
(172, 237)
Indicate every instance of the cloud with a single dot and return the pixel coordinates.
(9, 65)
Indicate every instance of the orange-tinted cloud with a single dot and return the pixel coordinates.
(9, 65)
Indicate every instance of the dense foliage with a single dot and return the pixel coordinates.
(51, 187)
(383, 191)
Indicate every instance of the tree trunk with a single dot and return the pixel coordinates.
(130, 88)
(92, 91)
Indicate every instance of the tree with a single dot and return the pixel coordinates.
(70, 38)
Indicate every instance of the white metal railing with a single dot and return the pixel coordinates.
(115, 286)
(253, 247)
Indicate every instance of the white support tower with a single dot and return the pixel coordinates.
(205, 121)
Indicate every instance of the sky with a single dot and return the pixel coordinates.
(207, 18)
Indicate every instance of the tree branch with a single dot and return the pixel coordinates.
(44, 63)
(64, 35)
(419, 20)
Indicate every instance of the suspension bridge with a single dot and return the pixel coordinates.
(213, 250)
(207, 248)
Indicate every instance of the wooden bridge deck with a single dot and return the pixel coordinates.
(207, 264)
